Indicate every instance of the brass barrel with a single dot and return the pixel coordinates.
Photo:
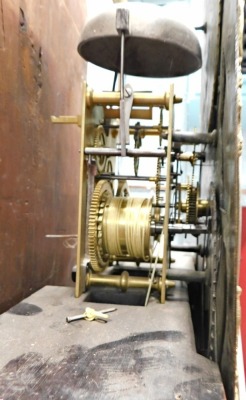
(136, 113)
(143, 99)
(125, 281)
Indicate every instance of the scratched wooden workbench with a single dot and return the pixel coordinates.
(141, 353)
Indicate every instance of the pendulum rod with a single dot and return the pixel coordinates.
(122, 27)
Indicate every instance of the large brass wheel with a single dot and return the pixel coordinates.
(103, 192)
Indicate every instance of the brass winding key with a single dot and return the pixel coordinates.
(90, 315)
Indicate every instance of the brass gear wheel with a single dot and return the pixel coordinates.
(99, 141)
(103, 191)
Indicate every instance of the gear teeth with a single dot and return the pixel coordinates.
(102, 192)
(158, 185)
(191, 205)
(99, 141)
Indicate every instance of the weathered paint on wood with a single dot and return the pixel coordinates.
(221, 108)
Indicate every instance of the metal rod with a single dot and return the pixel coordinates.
(186, 275)
(122, 98)
(187, 228)
(75, 318)
(156, 229)
(189, 249)
(190, 157)
(52, 236)
(173, 228)
(66, 119)
(152, 130)
(122, 128)
(122, 57)
(192, 138)
(129, 178)
(187, 137)
(106, 151)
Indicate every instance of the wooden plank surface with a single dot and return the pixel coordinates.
(141, 353)
(40, 76)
